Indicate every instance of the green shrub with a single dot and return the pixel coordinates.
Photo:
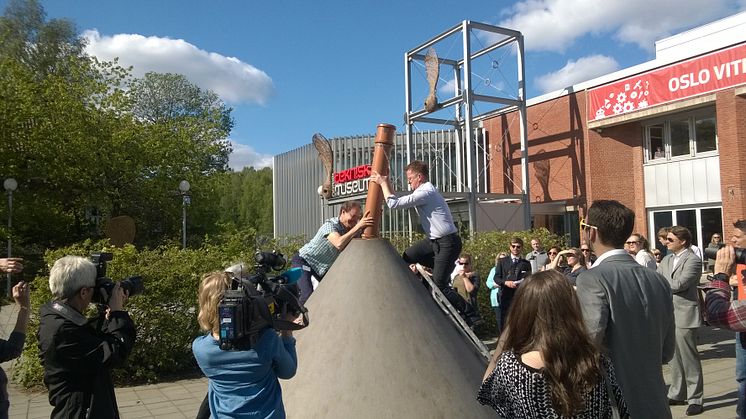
(484, 247)
(165, 314)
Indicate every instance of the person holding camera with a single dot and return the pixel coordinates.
(12, 348)
(242, 383)
(722, 312)
(78, 353)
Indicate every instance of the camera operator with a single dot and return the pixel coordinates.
(722, 312)
(12, 348)
(242, 383)
(78, 357)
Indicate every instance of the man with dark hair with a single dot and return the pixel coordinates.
(317, 256)
(682, 268)
(442, 246)
(722, 312)
(628, 310)
(509, 273)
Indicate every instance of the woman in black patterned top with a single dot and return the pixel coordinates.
(546, 365)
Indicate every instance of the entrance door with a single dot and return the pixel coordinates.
(701, 222)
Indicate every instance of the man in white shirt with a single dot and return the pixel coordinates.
(442, 246)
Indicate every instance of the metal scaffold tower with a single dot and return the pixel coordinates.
(470, 104)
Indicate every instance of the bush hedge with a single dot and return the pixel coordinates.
(165, 314)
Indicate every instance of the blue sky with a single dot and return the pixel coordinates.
(290, 69)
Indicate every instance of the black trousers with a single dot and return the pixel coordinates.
(440, 255)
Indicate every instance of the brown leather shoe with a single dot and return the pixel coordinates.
(694, 409)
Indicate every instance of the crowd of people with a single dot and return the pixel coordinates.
(583, 331)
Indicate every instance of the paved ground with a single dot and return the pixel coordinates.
(181, 399)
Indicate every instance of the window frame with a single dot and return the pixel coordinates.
(691, 117)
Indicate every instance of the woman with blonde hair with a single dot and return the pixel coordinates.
(546, 364)
(242, 383)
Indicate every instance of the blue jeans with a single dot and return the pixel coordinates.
(305, 286)
(741, 375)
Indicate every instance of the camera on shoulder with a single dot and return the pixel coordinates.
(257, 301)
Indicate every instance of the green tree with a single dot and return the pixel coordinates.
(246, 200)
(172, 102)
(40, 45)
(86, 141)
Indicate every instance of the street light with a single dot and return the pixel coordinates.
(185, 200)
(10, 185)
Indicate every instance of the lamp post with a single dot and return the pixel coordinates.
(10, 185)
(185, 200)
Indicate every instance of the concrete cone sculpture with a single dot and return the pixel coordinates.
(378, 346)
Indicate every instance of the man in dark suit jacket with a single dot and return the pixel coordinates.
(628, 310)
(683, 269)
(509, 273)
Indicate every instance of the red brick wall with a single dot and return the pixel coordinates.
(556, 132)
(615, 157)
(582, 164)
(731, 131)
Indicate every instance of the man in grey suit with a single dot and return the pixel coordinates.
(682, 268)
(628, 310)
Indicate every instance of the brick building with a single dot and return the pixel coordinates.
(663, 137)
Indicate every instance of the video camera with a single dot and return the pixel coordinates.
(711, 253)
(104, 285)
(257, 302)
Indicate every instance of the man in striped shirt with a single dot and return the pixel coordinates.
(317, 256)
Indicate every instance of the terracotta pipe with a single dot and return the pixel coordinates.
(374, 202)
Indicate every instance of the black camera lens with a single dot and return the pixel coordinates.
(274, 260)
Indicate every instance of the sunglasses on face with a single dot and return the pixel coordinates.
(516, 246)
(463, 263)
(552, 253)
(631, 242)
(670, 239)
(585, 250)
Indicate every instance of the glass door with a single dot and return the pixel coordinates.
(701, 222)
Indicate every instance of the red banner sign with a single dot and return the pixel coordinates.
(705, 74)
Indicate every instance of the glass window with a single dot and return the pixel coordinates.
(688, 219)
(660, 219)
(705, 130)
(655, 134)
(680, 137)
(712, 223)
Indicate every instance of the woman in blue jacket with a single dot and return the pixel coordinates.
(242, 383)
(494, 288)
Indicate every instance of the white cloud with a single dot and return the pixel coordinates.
(245, 156)
(585, 68)
(233, 80)
(552, 25)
